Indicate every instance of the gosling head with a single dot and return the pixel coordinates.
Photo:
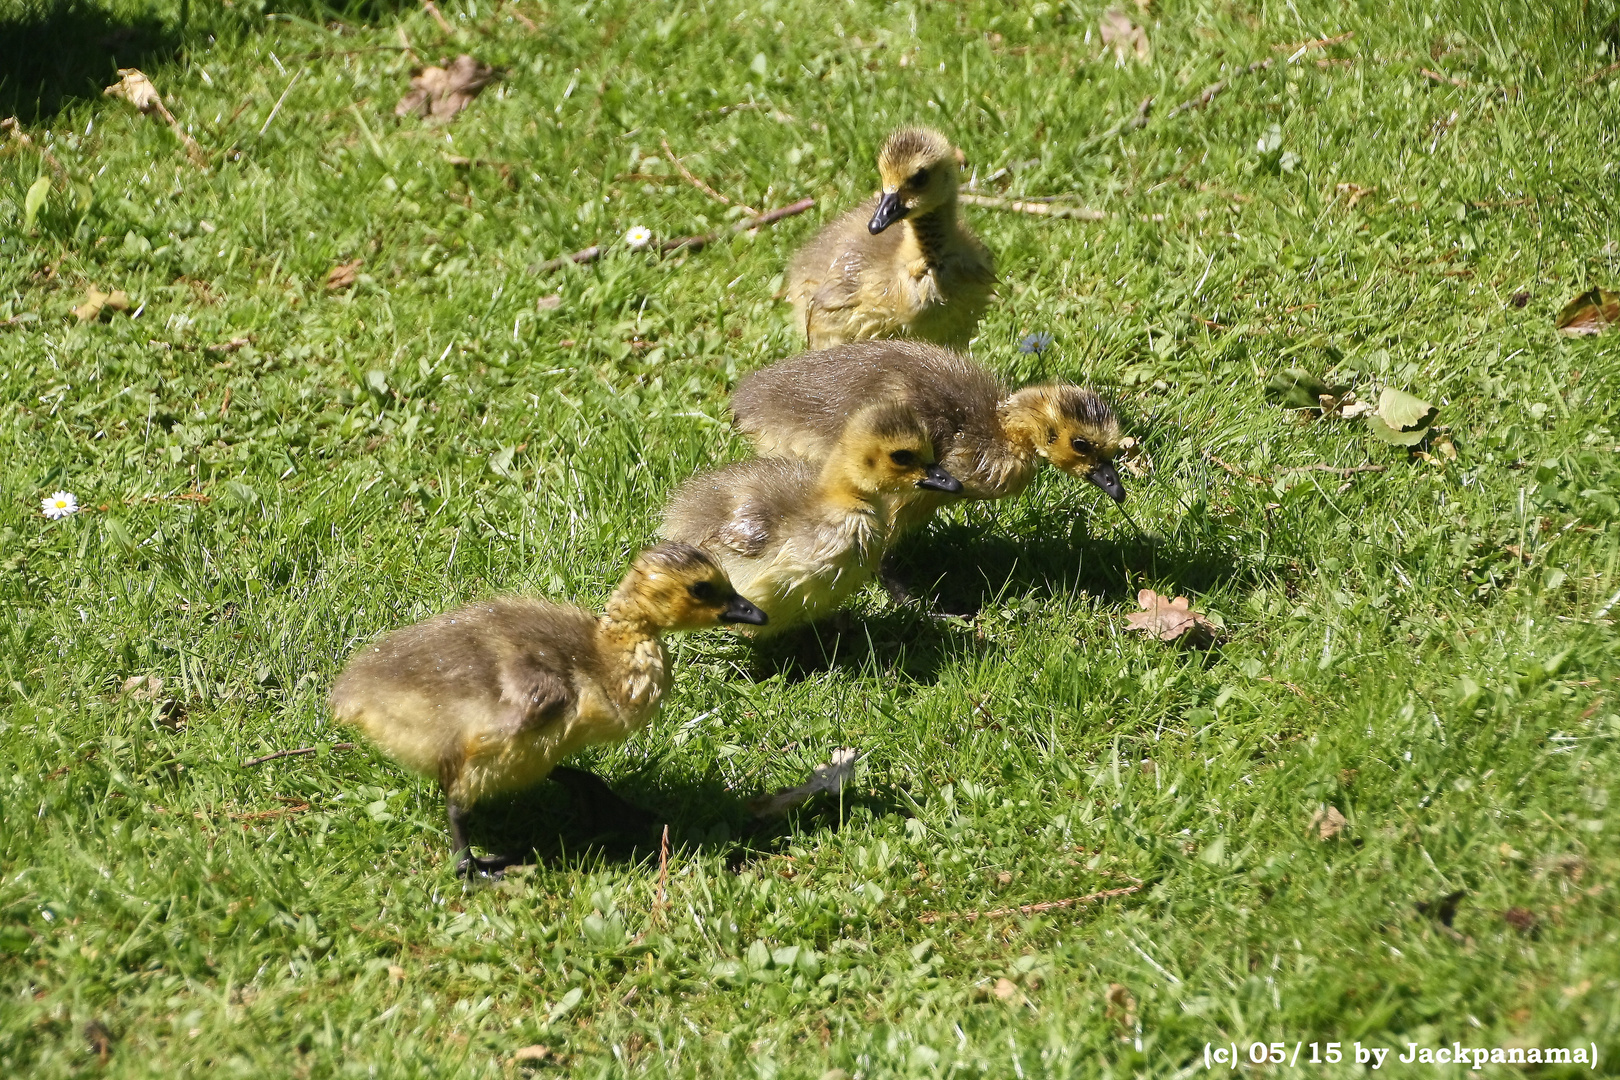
(891, 450)
(918, 167)
(1076, 430)
(679, 587)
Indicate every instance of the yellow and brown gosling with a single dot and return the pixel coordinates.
(900, 264)
(490, 697)
(798, 539)
(989, 438)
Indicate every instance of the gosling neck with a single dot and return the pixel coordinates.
(933, 229)
(628, 640)
(1023, 427)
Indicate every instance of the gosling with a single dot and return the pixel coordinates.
(899, 265)
(989, 438)
(799, 539)
(489, 698)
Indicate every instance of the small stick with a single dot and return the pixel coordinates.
(1599, 73)
(690, 243)
(929, 917)
(1209, 92)
(1343, 471)
(699, 184)
(301, 751)
(663, 875)
(1435, 76)
(1317, 43)
(277, 107)
(1235, 471)
(1029, 206)
(433, 9)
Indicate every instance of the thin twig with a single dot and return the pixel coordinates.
(1030, 909)
(1599, 73)
(433, 9)
(1207, 95)
(699, 184)
(684, 243)
(1341, 471)
(277, 107)
(1316, 43)
(1041, 207)
(301, 751)
(1131, 123)
(1237, 472)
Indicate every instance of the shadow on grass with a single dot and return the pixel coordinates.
(959, 568)
(56, 52)
(895, 642)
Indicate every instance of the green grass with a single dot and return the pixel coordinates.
(432, 435)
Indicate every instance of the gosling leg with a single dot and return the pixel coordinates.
(468, 864)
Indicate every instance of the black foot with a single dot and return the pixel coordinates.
(487, 865)
(603, 811)
(894, 582)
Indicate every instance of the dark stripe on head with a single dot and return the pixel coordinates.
(677, 558)
(1081, 406)
(888, 420)
(915, 142)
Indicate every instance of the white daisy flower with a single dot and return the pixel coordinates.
(59, 505)
(638, 237)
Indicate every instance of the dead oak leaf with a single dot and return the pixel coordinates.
(1170, 620)
(438, 94)
(1127, 39)
(134, 87)
(342, 276)
(1591, 312)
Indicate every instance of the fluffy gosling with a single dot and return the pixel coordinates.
(899, 264)
(989, 438)
(489, 698)
(799, 539)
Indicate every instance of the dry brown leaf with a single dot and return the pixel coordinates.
(100, 1039)
(134, 87)
(1121, 1008)
(537, 1052)
(1327, 823)
(549, 302)
(1007, 990)
(438, 94)
(1134, 457)
(1591, 312)
(396, 973)
(1005, 877)
(1169, 620)
(1521, 919)
(342, 275)
(830, 777)
(1127, 39)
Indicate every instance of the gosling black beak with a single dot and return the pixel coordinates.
(889, 210)
(740, 610)
(1104, 476)
(938, 479)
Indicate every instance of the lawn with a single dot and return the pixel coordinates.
(1377, 809)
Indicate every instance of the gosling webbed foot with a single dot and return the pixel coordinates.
(492, 866)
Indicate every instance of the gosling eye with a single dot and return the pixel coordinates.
(919, 178)
(704, 591)
(903, 458)
(1082, 446)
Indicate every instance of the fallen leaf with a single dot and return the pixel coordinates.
(96, 303)
(830, 778)
(396, 973)
(1121, 1007)
(1169, 620)
(342, 275)
(134, 87)
(1127, 39)
(1134, 457)
(1401, 418)
(34, 201)
(100, 1039)
(537, 1052)
(1444, 907)
(167, 711)
(1006, 990)
(440, 93)
(1521, 919)
(1296, 388)
(1589, 313)
(1005, 877)
(1327, 823)
(549, 302)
